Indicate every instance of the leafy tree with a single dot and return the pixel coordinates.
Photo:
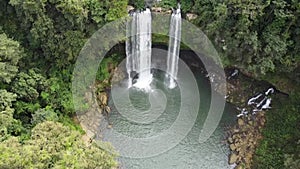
(6, 99)
(28, 86)
(59, 95)
(116, 9)
(257, 36)
(52, 33)
(10, 54)
(53, 145)
(8, 125)
(67, 23)
(42, 115)
(137, 4)
(169, 4)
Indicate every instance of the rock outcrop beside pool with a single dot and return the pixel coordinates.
(243, 139)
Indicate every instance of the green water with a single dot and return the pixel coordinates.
(188, 153)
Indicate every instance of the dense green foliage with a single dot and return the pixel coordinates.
(8, 125)
(137, 4)
(280, 147)
(257, 36)
(39, 43)
(10, 53)
(54, 31)
(53, 145)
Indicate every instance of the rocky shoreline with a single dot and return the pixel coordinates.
(97, 96)
(244, 138)
(245, 135)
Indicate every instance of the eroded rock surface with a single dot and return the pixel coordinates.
(244, 138)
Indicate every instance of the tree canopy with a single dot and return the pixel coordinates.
(10, 54)
(53, 145)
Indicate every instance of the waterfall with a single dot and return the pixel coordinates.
(138, 48)
(174, 47)
(260, 102)
(129, 49)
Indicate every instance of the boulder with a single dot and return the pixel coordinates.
(157, 9)
(232, 147)
(191, 16)
(169, 12)
(236, 131)
(130, 8)
(241, 122)
(107, 109)
(103, 98)
(87, 140)
(88, 96)
(248, 159)
(109, 126)
(118, 75)
(238, 144)
(233, 158)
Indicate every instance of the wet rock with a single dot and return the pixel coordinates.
(103, 98)
(239, 159)
(236, 131)
(90, 134)
(107, 109)
(88, 97)
(233, 158)
(241, 122)
(168, 12)
(109, 126)
(130, 8)
(235, 138)
(191, 16)
(232, 147)
(245, 136)
(263, 121)
(248, 158)
(249, 118)
(118, 75)
(86, 139)
(157, 9)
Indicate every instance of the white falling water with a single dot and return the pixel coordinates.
(174, 46)
(138, 48)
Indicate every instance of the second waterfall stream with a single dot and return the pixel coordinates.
(139, 44)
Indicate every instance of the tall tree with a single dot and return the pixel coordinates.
(53, 145)
(10, 54)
